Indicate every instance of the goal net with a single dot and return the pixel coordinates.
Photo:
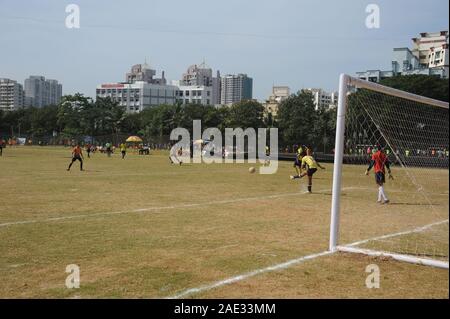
(404, 215)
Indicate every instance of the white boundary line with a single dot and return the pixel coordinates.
(415, 230)
(292, 262)
(160, 208)
(155, 209)
(247, 275)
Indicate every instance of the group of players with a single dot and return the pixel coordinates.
(77, 153)
(306, 165)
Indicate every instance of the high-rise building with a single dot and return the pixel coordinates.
(202, 76)
(40, 92)
(11, 95)
(236, 88)
(143, 72)
(55, 92)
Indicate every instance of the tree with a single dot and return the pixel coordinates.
(246, 114)
(325, 130)
(43, 121)
(296, 119)
(131, 123)
(69, 117)
(425, 85)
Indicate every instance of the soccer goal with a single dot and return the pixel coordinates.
(402, 215)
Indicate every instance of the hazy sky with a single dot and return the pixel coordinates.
(297, 43)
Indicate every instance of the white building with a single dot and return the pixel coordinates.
(202, 75)
(11, 95)
(142, 89)
(195, 94)
(139, 95)
(235, 88)
(429, 56)
(439, 59)
(323, 99)
(428, 40)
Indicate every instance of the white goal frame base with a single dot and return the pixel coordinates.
(399, 257)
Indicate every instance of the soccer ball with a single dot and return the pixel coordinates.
(251, 170)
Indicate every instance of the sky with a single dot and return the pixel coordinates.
(298, 43)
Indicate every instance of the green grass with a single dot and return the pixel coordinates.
(143, 228)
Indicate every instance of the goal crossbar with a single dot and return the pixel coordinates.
(345, 83)
(362, 84)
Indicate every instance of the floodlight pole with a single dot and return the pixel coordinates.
(338, 161)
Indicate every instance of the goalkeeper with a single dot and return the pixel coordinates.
(379, 162)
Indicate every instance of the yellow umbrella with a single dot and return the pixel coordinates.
(135, 139)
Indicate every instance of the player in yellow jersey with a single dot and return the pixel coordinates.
(123, 150)
(301, 151)
(311, 165)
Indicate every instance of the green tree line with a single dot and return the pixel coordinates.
(297, 120)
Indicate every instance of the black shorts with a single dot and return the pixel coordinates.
(380, 178)
(297, 162)
(76, 158)
(311, 171)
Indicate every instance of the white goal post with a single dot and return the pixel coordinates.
(348, 85)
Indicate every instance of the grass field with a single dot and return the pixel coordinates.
(143, 228)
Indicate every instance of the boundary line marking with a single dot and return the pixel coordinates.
(154, 209)
(293, 262)
(247, 275)
(160, 208)
(415, 230)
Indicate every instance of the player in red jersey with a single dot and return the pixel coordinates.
(77, 155)
(379, 162)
